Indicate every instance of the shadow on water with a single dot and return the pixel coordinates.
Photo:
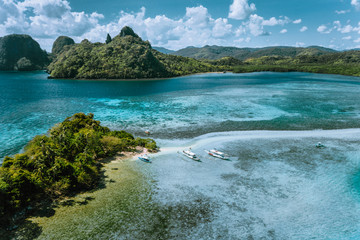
(17, 226)
(28, 230)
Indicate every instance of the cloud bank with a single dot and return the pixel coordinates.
(45, 20)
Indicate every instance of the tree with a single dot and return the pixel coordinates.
(108, 39)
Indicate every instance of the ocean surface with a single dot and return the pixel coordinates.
(276, 185)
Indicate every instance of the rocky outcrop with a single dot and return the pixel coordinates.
(21, 52)
(60, 43)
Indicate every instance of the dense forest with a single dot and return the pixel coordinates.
(125, 56)
(344, 63)
(64, 161)
(21, 52)
(217, 52)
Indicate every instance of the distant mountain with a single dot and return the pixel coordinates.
(126, 56)
(21, 52)
(344, 63)
(217, 52)
(163, 50)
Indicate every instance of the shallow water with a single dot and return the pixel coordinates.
(276, 185)
(179, 108)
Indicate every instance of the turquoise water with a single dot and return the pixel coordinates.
(276, 184)
(178, 108)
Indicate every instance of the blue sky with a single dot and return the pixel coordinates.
(179, 23)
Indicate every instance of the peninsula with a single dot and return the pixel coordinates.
(64, 162)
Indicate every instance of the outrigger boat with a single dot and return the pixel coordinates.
(190, 154)
(320, 145)
(145, 158)
(218, 154)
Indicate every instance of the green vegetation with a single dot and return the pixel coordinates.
(60, 43)
(108, 39)
(218, 52)
(127, 56)
(60, 163)
(21, 52)
(344, 63)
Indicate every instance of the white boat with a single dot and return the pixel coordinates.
(320, 145)
(218, 154)
(145, 158)
(190, 154)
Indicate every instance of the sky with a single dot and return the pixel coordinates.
(176, 24)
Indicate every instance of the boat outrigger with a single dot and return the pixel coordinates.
(145, 158)
(190, 154)
(218, 154)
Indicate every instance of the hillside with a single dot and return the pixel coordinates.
(344, 63)
(126, 56)
(21, 52)
(217, 52)
(60, 43)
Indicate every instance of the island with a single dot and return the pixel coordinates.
(127, 56)
(67, 160)
(22, 53)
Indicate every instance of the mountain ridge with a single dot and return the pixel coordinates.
(215, 52)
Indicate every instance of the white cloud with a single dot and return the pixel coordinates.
(274, 21)
(341, 11)
(283, 31)
(221, 28)
(195, 28)
(347, 28)
(347, 38)
(44, 19)
(8, 10)
(357, 40)
(297, 21)
(324, 29)
(197, 17)
(303, 29)
(299, 44)
(255, 25)
(240, 40)
(356, 4)
(240, 9)
(47, 8)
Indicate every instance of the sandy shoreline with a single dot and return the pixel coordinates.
(122, 156)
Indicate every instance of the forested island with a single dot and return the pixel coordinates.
(67, 160)
(127, 56)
